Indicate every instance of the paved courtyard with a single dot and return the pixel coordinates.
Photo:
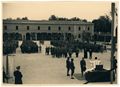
(38, 68)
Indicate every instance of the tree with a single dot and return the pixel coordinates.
(75, 19)
(84, 20)
(52, 17)
(18, 18)
(9, 19)
(103, 24)
(24, 18)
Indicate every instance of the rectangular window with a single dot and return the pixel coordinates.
(16, 27)
(38, 27)
(88, 28)
(27, 27)
(69, 28)
(5, 27)
(59, 28)
(49, 28)
(79, 28)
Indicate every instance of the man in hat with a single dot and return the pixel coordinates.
(18, 75)
(82, 65)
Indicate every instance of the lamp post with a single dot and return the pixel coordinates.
(112, 40)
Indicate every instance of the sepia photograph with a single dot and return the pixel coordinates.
(59, 42)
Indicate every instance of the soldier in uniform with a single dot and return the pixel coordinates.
(72, 67)
(70, 52)
(90, 53)
(18, 76)
(77, 52)
(68, 65)
(83, 65)
(85, 53)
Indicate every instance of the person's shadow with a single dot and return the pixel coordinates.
(79, 76)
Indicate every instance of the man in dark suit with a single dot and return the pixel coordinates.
(85, 53)
(83, 65)
(90, 53)
(18, 76)
(72, 67)
(68, 65)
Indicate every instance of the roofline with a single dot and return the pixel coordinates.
(44, 22)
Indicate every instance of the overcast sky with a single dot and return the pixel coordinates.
(43, 10)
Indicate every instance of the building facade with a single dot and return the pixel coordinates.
(46, 30)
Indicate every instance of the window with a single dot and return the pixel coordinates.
(79, 28)
(27, 27)
(69, 28)
(16, 27)
(88, 28)
(79, 36)
(59, 28)
(38, 27)
(49, 28)
(5, 27)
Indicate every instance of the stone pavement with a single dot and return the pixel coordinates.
(38, 68)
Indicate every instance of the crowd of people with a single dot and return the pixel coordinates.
(29, 47)
(9, 46)
(67, 52)
(58, 52)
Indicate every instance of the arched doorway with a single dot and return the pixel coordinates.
(27, 36)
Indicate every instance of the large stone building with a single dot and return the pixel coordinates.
(46, 30)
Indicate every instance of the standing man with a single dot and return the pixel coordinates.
(90, 53)
(18, 76)
(77, 52)
(83, 65)
(72, 67)
(70, 52)
(85, 53)
(68, 65)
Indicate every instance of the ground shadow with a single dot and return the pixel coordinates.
(79, 76)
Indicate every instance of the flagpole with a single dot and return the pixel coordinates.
(112, 40)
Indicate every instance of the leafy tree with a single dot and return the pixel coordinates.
(84, 20)
(9, 19)
(103, 24)
(24, 18)
(75, 19)
(18, 18)
(53, 17)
